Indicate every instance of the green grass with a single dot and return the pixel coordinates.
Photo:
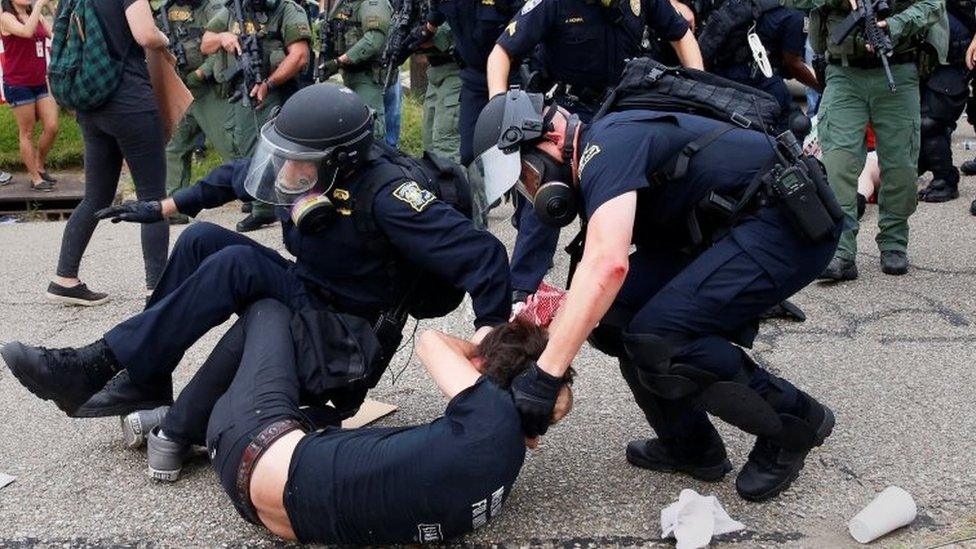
(68, 150)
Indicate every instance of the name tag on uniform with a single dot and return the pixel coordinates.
(39, 47)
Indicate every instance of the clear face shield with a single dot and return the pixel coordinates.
(492, 174)
(280, 175)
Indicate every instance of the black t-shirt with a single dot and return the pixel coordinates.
(134, 93)
(419, 484)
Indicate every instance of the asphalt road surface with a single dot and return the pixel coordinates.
(894, 357)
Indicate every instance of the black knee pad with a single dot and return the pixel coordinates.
(652, 356)
(931, 126)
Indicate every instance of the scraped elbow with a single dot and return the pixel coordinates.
(613, 268)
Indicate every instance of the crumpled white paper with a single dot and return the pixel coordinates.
(6, 479)
(694, 519)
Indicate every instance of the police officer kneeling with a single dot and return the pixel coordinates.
(674, 310)
(365, 235)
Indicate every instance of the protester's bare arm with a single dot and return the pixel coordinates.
(688, 51)
(598, 278)
(685, 12)
(143, 26)
(448, 361)
(799, 70)
(10, 25)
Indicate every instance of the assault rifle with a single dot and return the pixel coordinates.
(328, 28)
(250, 63)
(865, 18)
(175, 37)
(395, 51)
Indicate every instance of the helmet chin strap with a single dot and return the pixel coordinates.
(569, 144)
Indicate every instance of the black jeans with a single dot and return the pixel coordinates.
(109, 139)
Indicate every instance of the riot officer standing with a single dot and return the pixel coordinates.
(364, 233)
(945, 94)
(358, 32)
(209, 113)
(442, 101)
(284, 38)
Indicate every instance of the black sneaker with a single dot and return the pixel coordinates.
(894, 262)
(707, 462)
(48, 177)
(253, 223)
(972, 207)
(121, 396)
(771, 467)
(939, 190)
(68, 376)
(862, 205)
(42, 186)
(246, 207)
(75, 295)
(968, 167)
(839, 270)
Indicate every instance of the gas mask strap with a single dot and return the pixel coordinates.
(569, 142)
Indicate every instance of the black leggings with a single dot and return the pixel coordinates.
(110, 139)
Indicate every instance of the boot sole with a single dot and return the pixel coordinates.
(77, 301)
(824, 431)
(119, 409)
(714, 473)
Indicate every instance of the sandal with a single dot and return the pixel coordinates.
(42, 186)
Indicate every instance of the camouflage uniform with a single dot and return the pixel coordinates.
(442, 101)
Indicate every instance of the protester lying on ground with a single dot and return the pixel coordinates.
(373, 485)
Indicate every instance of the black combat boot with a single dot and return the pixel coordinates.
(69, 376)
(940, 190)
(703, 458)
(122, 396)
(775, 462)
(254, 222)
(968, 167)
(840, 270)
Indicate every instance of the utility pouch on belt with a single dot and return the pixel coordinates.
(800, 186)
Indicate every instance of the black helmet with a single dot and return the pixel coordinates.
(321, 130)
(509, 121)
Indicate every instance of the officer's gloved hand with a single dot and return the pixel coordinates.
(420, 35)
(535, 393)
(136, 212)
(329, 68)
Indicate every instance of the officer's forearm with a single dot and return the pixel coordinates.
(368, 47)
(595, 285)
(688, 52)
(499, 67)
(798, 69)
(292, 64)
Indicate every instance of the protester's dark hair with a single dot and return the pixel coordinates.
(508, 350)
(8, 6)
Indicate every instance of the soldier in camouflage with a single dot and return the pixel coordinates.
(209, 114)
(442, 101)
(857, 92)
(285, 37)
(362, 26)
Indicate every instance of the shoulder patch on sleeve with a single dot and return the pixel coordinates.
(529, 6)
(416, 197)
(588, 154)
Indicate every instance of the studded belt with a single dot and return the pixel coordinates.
(255, 449)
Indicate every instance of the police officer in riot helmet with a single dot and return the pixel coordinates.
(677, 311)
(367, 234)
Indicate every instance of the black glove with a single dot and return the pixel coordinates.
(535, 394)
(137, 212)
(420, 35)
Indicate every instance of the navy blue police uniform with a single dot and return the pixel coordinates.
(781, 30)
(584, 47)
(476, 25)
(945, 94)
(214, 273)
(420, 484)
(698, 303)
